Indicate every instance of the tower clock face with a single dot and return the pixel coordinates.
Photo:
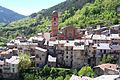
(55, 23)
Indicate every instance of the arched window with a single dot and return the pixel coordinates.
(70, 36)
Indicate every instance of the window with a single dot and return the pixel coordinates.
(104, 51)
(37, 64)
(54, 19)
(66, 52)
(70, 36)
(66, 56)
(67, 48)
(37, 56)
(13, 65)
(66, 61)
(54, 23)
(89, 51)
(40, 58)
(0, 65)
(82, 54)
(13, 69)
(42, 54)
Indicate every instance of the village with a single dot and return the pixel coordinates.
(69, 47)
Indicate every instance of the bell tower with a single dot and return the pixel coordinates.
(54, 28)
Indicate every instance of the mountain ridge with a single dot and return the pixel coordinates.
(7, 15)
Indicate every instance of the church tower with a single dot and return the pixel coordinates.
(54, 28)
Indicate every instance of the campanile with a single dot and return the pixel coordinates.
(54, 28)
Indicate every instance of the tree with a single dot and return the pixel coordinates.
(25, 61)
(67, 77)
(86, 71)
(107, 59)
(29, 76)
(116, 21)
(104, 59)
(59, 78)
(46, 70)
(49, 78)
(53, 71)
(61, 73)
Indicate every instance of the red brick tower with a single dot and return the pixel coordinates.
(54, 28)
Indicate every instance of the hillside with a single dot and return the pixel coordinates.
(7, 16)
(67, 5)
(80, 13)
(101, 12)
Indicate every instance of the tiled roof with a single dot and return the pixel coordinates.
(108, 66)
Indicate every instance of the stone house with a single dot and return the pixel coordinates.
(10, 67)
(68, 54)
(40, 57)
(27, 47)
(78, 56)
(38, 39)
(102, 48)
(60, 53)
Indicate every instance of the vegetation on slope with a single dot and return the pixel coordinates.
(51, 73)
(100, 12)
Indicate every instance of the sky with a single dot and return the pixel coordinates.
(27, 7)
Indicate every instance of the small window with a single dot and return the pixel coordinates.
(13, 69)
(67, 52)
(37, 64)
(89, 51)
(82, 54)
(37, 56)
(42, 54)
(40, 58)
(104, 51)
(13, 65)
(66, 61)
(54, 19)
(54, 23)
(67, 48)
(66, 56)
